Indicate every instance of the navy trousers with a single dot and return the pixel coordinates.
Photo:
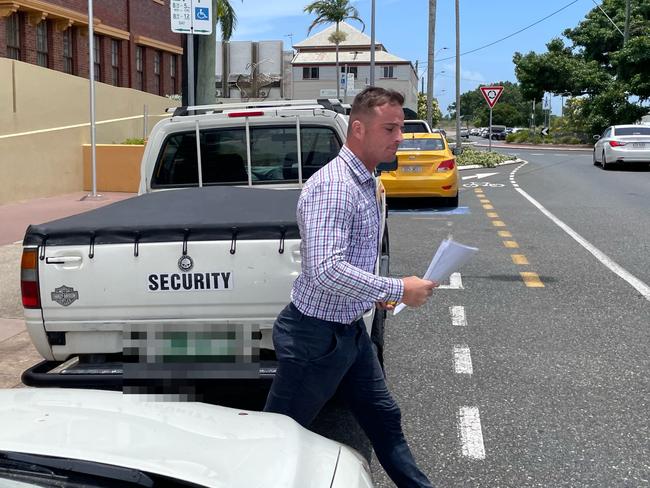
(315, 357)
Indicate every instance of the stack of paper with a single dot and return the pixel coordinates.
(448, 259)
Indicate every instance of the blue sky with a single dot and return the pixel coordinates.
(401, 25)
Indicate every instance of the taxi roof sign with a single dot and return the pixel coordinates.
(492, 94)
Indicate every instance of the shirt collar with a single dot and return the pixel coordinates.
(355, 164)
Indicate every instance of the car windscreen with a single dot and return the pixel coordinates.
(421, 145)
(632, 131)
(414, 128)
(274, 156)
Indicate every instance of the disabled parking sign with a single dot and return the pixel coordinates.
(191, 16)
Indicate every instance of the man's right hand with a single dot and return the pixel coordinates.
(417, 290)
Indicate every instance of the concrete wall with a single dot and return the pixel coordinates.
(49, 162)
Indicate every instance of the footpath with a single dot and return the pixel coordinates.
(16, 350)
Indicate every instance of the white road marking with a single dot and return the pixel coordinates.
(479, 176)
(458, 317)
(608, 262)
(537, 154)
(471, 435)
(462, 360)
(455, 283)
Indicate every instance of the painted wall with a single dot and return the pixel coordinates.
(49, 162)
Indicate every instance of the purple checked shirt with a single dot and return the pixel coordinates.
(338, 217)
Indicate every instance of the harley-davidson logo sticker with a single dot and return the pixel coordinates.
(64, 295)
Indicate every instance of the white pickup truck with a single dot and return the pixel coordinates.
(184, 285)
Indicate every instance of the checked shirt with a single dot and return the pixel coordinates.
(338, 217)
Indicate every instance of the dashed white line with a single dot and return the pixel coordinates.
(471, 435)
(458, 317)
(462, 360)
(455, 283)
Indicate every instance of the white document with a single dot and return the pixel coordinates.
(448, 259)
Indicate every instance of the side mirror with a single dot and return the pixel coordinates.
(457, 151)
(596, 137)
(392, 166)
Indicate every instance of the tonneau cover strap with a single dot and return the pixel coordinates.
(233, 243)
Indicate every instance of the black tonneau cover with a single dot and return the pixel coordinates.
(194, 214)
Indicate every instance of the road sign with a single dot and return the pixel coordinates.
(491, 94)
(349, 85)
(191, 16)
(545, 131)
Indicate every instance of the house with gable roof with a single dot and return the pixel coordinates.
(314, 67)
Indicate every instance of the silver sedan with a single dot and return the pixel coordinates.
(622, 144)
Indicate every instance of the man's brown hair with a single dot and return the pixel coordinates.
(371, 97)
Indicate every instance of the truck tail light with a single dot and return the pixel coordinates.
(616, 143)
(245, 114)
(446, 165)
(29, 279)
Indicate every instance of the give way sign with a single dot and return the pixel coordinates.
(491, 94)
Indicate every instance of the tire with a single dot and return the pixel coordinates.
(604, 164)
(596, 163)
(453, 201)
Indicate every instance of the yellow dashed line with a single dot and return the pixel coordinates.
(484, 200)
(511, 244)
(531, 279)
(492, 215)
(505, 233)
(519, 259)
(487, 206)
(478, 190)
(498, 223)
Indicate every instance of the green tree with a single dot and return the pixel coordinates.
(436, 114)
(333, 11)
(511, 110)
(596, 66)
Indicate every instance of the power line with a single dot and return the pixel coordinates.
(608, 17)
(514, 33)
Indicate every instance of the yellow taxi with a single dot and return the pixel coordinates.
(426, 167)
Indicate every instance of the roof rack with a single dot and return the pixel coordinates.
(327, 103)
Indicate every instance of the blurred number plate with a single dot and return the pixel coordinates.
(638, 144)
(411, 169)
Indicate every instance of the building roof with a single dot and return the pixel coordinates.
(354, 38)
(346, 57)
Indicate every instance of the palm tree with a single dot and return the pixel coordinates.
(225, 17)
(333, 11)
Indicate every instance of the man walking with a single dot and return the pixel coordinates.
(320, 338)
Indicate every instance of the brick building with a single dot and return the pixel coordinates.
(134, 44)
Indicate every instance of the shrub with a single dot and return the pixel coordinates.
(134, 141)
(484, 158)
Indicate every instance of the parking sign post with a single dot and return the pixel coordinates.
(191, 17)
(491, 95)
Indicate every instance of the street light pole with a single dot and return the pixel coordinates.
(459, 144)
(372, 44)
(432, 42)
(91, 72)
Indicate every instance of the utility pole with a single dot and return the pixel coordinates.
(459, 144)
(626, 35)
(432, 43)
(372, 44)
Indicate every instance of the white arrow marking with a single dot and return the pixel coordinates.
(479, 176)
